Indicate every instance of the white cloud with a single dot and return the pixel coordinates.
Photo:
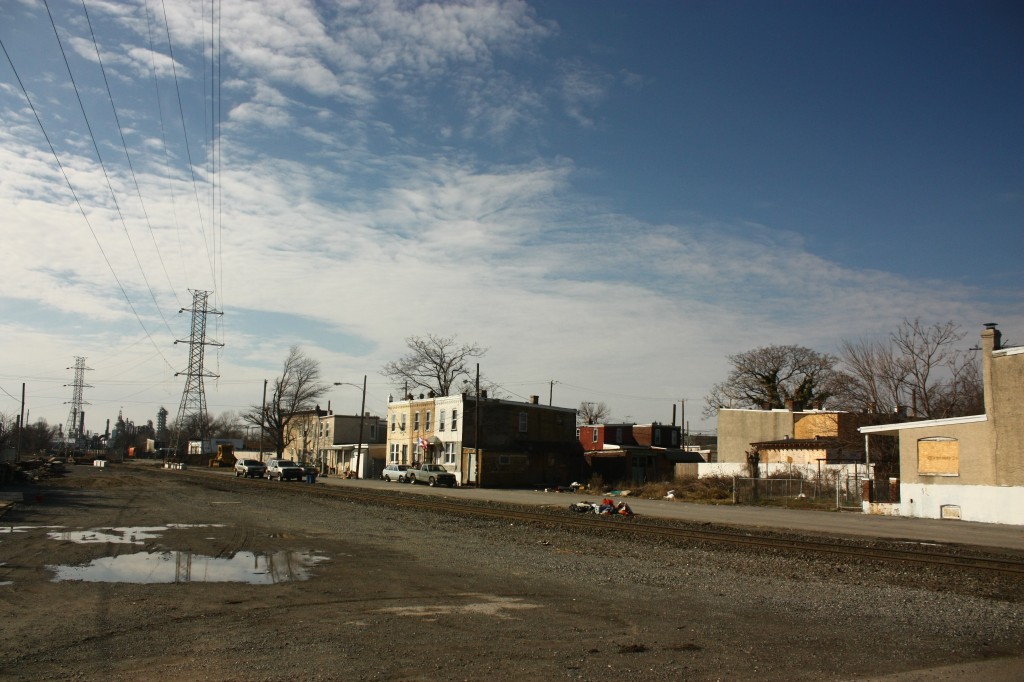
(357, 226)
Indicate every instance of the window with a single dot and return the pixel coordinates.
(405, 453)
(373, 431)
(675, 438)
(455, 420)
(594, 435)
(393, 418)
(523, 422)
(426, 422)
(440, 420)
(657, 436)
(449, 453)
(938, 456)
(402, 424)
(415, 421)
(393, 456)
(618, 435)
(577, 433)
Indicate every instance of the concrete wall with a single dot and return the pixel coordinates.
(981, 503)
(808, 471)
(737, 429)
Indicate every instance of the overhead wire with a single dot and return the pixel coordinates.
(188, 149)
(78, 202)
(163, 140)
(131, 167)
(99, 157)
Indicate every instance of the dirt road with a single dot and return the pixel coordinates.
(137, 573)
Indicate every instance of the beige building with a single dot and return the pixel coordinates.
(334, 443)
(969, 468)
(790, 436)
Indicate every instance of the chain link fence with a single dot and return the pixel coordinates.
(841, 490)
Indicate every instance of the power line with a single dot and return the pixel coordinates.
(131, 167)
(99, 157)
(188, 149)
(163, 139)
(79, 204)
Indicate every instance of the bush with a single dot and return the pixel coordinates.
(712, 489)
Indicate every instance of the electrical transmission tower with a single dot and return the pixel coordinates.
(192, 411)
(75, 427)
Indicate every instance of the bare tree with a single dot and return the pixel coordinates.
(592, 413)
(8, 430)
(769, 376)
(433, 363)
(876, 376)
(919, 367)
(295, 391)
(227, 425)
(928, 351)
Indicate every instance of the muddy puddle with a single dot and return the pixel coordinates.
(187, 567)
(172, 566)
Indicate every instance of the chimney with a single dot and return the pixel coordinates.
(483, 393)
(991, 340)
(790, 404)
(535, 400)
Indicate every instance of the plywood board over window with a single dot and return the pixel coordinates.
(938, 457)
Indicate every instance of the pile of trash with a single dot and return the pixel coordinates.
(607, 507)
(31, 470)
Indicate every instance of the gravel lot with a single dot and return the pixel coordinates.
(401, 595)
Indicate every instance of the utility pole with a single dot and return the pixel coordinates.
(551, 391)
(476, 431)
(359, 444)
(263, 417)
(21, 425)
(193, 398)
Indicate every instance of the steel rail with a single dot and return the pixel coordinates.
(633, 526)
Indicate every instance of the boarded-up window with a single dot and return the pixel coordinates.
(938, 457)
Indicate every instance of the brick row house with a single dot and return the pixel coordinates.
(634, 453)
(488, 442)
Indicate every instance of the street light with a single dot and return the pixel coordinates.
(362, 414)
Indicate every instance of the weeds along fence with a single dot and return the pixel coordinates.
(841, 491)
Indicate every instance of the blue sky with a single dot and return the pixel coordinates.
(611, 196)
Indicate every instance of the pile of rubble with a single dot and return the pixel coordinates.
(30, 470)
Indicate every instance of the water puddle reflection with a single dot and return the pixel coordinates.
(186, 567)
(132, 535)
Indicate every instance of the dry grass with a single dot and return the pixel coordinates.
(710, 489)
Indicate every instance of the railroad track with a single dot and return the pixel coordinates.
(638, 528)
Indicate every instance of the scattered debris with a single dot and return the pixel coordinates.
(607, 507)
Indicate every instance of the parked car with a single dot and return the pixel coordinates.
(250, 468)
(284, 470)
(431, 474)
(394, 472)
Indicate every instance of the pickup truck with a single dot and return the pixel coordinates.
(431, 474)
